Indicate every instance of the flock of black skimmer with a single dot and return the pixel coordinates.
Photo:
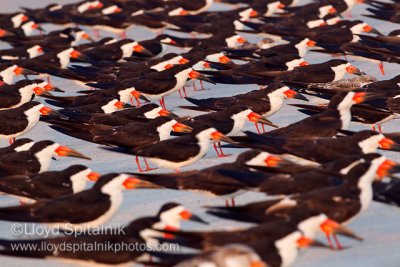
(318, 174)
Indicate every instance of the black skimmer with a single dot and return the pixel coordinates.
(15, 95)
(9, 71)
(265, 101)
(23, 52)
(22, 144)
(137, 232)
(36, 159)
(157, 85)
(322, 149)
(20, 120)
(336, 117)
(332, 70)
(83, 210)
(229, 121)
(340, 203)
(211, 181)
(48, 185)
(182, 151)
(278, 247)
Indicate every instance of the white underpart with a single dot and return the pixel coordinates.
(17, 20)
(164, 130)
(8, 57)
(276, 99)
(239, 121)
(315, 23)
(34, 51)
(45, 157)
(111, 41)
(109, 10)
(56, 7)
(65, 57)
(371, 144)
(237, 260)
(161, 66)
(126, 95)
(287, 248)
(24, 147)
(311, 226)
(203, 142)
(79, 180)
(285, 202)
(294, 63)
(239, 25)
(114, 190)
(181, 78)
(340, 71)
(8, 74)
(302, 47)
(26, 94)
(232, 41)
(152, 114)
(333, 21)
(127, 49)
(137, 13)
(110, 107)
(350, 4)
(324, 10)
(258, 160)
(204, 8)
(344, 110)
(33, 116)
(85, 6)
(346, 170)
(365, 183)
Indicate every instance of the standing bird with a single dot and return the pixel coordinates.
(18, 121)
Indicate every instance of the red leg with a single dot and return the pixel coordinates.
(162, 103)
(381, 68)
(184, 91)
(263, 127)
(132, 103)
(233, 202)
(96, 33)
(123, 35)
(177, 170)
(194, 86)
(258, 130)
(49, 80)
(221, 155)
(339, 246)
(202, 86)
(216, 149)
(380, 128)
(373, 128)
(138, 164)
(180, 93)
(328, 237)
(227, 203)
(138, 102)
(147, 166)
